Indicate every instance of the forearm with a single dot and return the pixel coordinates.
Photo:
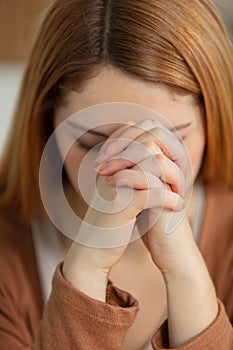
(87, 268)
(192, 302)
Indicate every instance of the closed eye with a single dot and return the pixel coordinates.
(96, 147)
(104, 137)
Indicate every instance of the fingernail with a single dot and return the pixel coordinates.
(101, 167)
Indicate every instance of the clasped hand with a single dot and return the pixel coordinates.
(151, 160)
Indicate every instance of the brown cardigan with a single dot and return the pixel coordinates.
(72, 320)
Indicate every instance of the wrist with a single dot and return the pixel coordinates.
(88, 279)
(111, 220)
(183, 258)
(187, 266)
(80, 270)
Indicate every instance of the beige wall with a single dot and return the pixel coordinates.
(18, 22)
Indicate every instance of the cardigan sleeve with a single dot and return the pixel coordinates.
(218, 335)
(73, 320)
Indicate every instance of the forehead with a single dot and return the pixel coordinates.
(113, 86)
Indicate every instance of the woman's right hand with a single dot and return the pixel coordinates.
(152, 180)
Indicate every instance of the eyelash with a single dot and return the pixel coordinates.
(88, 148)
(98, 146)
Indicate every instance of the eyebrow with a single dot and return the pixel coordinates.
(101, 134)
(180, 127)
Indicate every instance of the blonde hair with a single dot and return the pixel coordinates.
(168, 42)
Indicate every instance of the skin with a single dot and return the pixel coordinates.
(188, 284)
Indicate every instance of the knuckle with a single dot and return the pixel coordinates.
(145, 124)
(158, 132)
(161, 159)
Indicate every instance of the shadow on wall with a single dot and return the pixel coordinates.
(226, 10)
(10, 78)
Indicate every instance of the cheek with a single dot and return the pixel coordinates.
(195, 147)
(72, 164)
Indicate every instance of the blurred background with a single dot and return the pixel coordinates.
(19, 20)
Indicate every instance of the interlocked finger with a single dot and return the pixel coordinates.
(166, 170)
(159, 198)
(135, 153)
(168, 143)
(122, 138)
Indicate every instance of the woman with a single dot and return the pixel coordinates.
(173, 59)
